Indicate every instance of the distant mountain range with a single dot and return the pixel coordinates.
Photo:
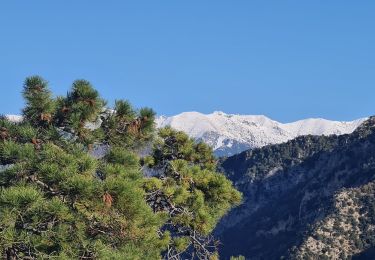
(14, 118)
(231, 134)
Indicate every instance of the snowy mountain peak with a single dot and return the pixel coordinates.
(14, 118)
(229, 134)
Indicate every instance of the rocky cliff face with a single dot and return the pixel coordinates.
(309, 198)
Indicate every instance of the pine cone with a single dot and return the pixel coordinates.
(65, 109)
(36, 142)
(4, 133)
(45, 117)
(107, 199)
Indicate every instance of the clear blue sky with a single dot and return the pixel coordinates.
(286, 59)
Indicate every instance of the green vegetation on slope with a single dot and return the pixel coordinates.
(309, 198)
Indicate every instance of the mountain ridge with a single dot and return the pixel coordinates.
(229, 134)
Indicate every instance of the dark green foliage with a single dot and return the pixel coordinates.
(127, 127)
(255, 164)
(58, 200)
(40, 106)
(86, 211)
(82, 105)
(186, 185)
(177, 145)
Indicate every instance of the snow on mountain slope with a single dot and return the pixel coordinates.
(230, 134)
(14, 118)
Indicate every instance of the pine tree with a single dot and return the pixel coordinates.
(82, 105)
(58, 200)
(128, 127)
(39, 104)
(186, 185)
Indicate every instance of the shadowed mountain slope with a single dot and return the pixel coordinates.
(312, 197)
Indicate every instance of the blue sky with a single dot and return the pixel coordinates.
(285, 59)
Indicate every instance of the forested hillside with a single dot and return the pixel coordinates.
(309, 198)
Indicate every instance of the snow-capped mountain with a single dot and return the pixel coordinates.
(14, 118)
(230, 134)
